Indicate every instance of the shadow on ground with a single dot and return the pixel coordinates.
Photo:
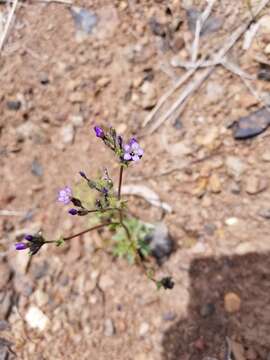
(202, 335)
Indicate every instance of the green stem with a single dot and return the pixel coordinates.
(88, 230)
(96, 227)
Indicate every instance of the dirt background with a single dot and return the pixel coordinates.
(56, 84)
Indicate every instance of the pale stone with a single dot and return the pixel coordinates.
(36, 319)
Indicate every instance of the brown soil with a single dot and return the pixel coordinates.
(99, 308)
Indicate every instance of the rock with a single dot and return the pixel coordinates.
(67, 134)
(77, 97)
(14, 105)
(144, 328)
(214, 92)
(177, 43)
(266, 156)
(255, 185)
(5, 272)
(207, 310)
(36, 319)
(160, 242)
(231, 221)
(265, 213)
(85, 20)
(210, 229)
(169, 316)
(209, 138)
(4, 325)
(109, 328)
(267, 49)
(232, 302)
(41, 298)
(6, 302)
(103, 82)
(149, 98)
(156, 27)
(178, 125)
(251, 125)
(36, 168)
(44, 79)
(264, 72)
(214, 184)
(105, 282)
(30, 131)
(235, 167)
(5, 350)
(77, 120)
(108, 22)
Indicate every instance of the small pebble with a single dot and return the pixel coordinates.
(207, 310)
(14, 105)
(36, 168)
(144, 328)
(169, 316)
(109, 328)
(36, 319)
(4, 325)
(67, 134)
(231, 221)
(232, 302)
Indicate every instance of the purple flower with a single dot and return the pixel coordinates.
(99, 132)
(29, 237)
(65, 195)
(73, 211)
(21, 246)
(133, 151)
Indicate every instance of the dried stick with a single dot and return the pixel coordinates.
(199, 25)
(217, 58)
(8, 23)
(164, 98)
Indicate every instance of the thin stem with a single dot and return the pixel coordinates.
(120, 182)
(101, 210)
(90, 229)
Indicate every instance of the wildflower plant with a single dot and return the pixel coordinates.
(128, 233)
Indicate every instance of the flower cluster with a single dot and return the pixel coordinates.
(110, 209)
(126, 152)
(34, 243)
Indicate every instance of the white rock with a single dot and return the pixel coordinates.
(231, 221)
(41, 297)
(109, 329)
(36, 319)
(235, 166)
(77, 120)
(144, 328)
(67, 134)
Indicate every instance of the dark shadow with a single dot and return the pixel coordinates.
(202, 335)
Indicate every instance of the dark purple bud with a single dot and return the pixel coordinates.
(21, 246)
(76, 202)
(73, 211)
(104, 191)
(120, 141)
(83, 174)
(99, 132)
(29, 237)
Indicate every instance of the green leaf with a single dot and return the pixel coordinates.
(60, 241)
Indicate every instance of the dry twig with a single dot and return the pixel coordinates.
(8, 24)
(218, 58)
